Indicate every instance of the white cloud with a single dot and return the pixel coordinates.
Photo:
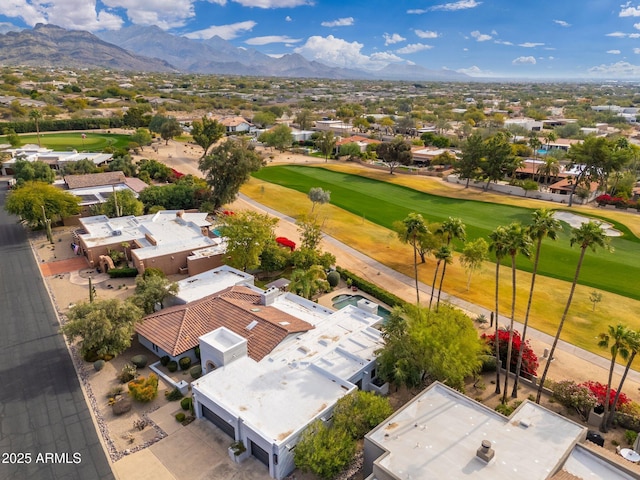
(165, 14)
(426, 34)
(629, 11)
(616, 34)
(266, 40)
(393, 38)
(636, 51)
(634, 35)
(413, 48)
(619, 69)
(530, 44)
(480, 37)
(274, 3)
(417, 11)
(475, 71)
(340, 22)
(459, 5)
(386, 57)
(227, 32)
(338, 52)
(524, 61)
(288, 18)
(614, 52)
(562, 23)
(65, 13)
(503, 42)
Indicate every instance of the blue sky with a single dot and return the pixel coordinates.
(503, 38)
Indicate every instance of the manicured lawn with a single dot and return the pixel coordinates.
(94, 142)
(383, 203)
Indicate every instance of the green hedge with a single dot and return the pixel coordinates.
(123, 272)
(372, 289)
(61, 125)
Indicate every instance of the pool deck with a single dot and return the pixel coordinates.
(326, 300)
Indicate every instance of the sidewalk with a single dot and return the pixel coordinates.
(570, 362)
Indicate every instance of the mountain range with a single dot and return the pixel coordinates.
(152, 49)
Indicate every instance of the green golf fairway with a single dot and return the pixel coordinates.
(94, 142)
(384, 203)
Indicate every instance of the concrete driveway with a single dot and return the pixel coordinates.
(195, 452)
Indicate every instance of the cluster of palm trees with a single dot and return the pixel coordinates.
(507, 241)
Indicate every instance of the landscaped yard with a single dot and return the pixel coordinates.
(93, 142)
(384, 203)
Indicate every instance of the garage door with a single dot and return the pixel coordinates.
(260, 453)
(219, 422)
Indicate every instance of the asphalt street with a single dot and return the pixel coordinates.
(46, 431)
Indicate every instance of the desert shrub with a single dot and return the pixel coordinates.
(180, 417)
(113, 391)
(121, 405)
(185, 403)
(574, 396)
(185, 363)
(123, 272)
(630, 436)
(140, 424)
(91, 356)
(489, 363)
(173, 395)
(359, 412)
(196, 371)
(165, 360)
(324, 451)
(98, 365)
(505, 409)
(144, 389)
(153, 272)
(140, 361)
(172, 366)
(238, 447)
(196, 352)
(333, 278)
(127, 373)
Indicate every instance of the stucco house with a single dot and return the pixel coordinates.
(56, 160)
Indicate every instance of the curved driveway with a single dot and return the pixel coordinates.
(46, 431)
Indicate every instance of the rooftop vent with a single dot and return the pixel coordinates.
(252, 325)
(485, 452)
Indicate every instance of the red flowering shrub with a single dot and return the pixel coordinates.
(603, 199)
(285, 242)
(600, 391)
(529, 358)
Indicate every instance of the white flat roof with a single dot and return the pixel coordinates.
(209, 282)
(584, 464)
(437, 435)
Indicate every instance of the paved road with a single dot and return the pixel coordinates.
(42, 408)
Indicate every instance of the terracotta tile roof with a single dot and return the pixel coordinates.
(176, 329)
(94, 179)
(357, 138)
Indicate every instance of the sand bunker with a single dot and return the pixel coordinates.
(576, 220)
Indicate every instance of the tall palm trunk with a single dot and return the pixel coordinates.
(562, 320)
(415, 270)
(444, 269)
(433, 285)
(497, 341)
(612, 413)
(607, 398)
(514, 393)
(513, 313)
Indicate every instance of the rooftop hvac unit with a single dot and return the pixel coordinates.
(116, 233)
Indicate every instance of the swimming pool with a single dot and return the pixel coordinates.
(343, 300)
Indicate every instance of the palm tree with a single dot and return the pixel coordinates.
(517, 241)
(550, 137)
(551, 166)
(633, 345)
(307, 283)
(498, 246)
(447, 258)
(588, 235)
(36, 115)
(617, 338)
(543, 225)
(414, 226)
(442, 254)
(451, 228)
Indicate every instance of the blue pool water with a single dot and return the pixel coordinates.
(542, 152)
(343, 300)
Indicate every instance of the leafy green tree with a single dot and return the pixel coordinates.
(227, 167)
(80, 167)
(170, 128)
(247, 234)
(103, 326)
(633, 345)
(395, 153)
(13, 138)
(28, 201)
(309, 282)
(156, 122)
(498, 159)
(207, 132)
(616, 339)
(498, 245)
(122, 203)
(264, 118)
(304, 258)
(414, 226)
(324, 451)
(426, 345)
(473, 254)
(38, 171)
(305, 118)
(186, 193)
(125, 165)
(274, 257)
(359, 412)
(152, 290)
(427, 242)
(325, 142)
(318, 196)
(155, 170)
(142, 137)
(589, 235)
(543, 225)
(351, 150)
(137, 116)
(279, 137)
(310, 232)
(517, 242)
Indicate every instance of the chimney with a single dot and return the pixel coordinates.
(180, 213)
(268, 296)
(485, 452)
